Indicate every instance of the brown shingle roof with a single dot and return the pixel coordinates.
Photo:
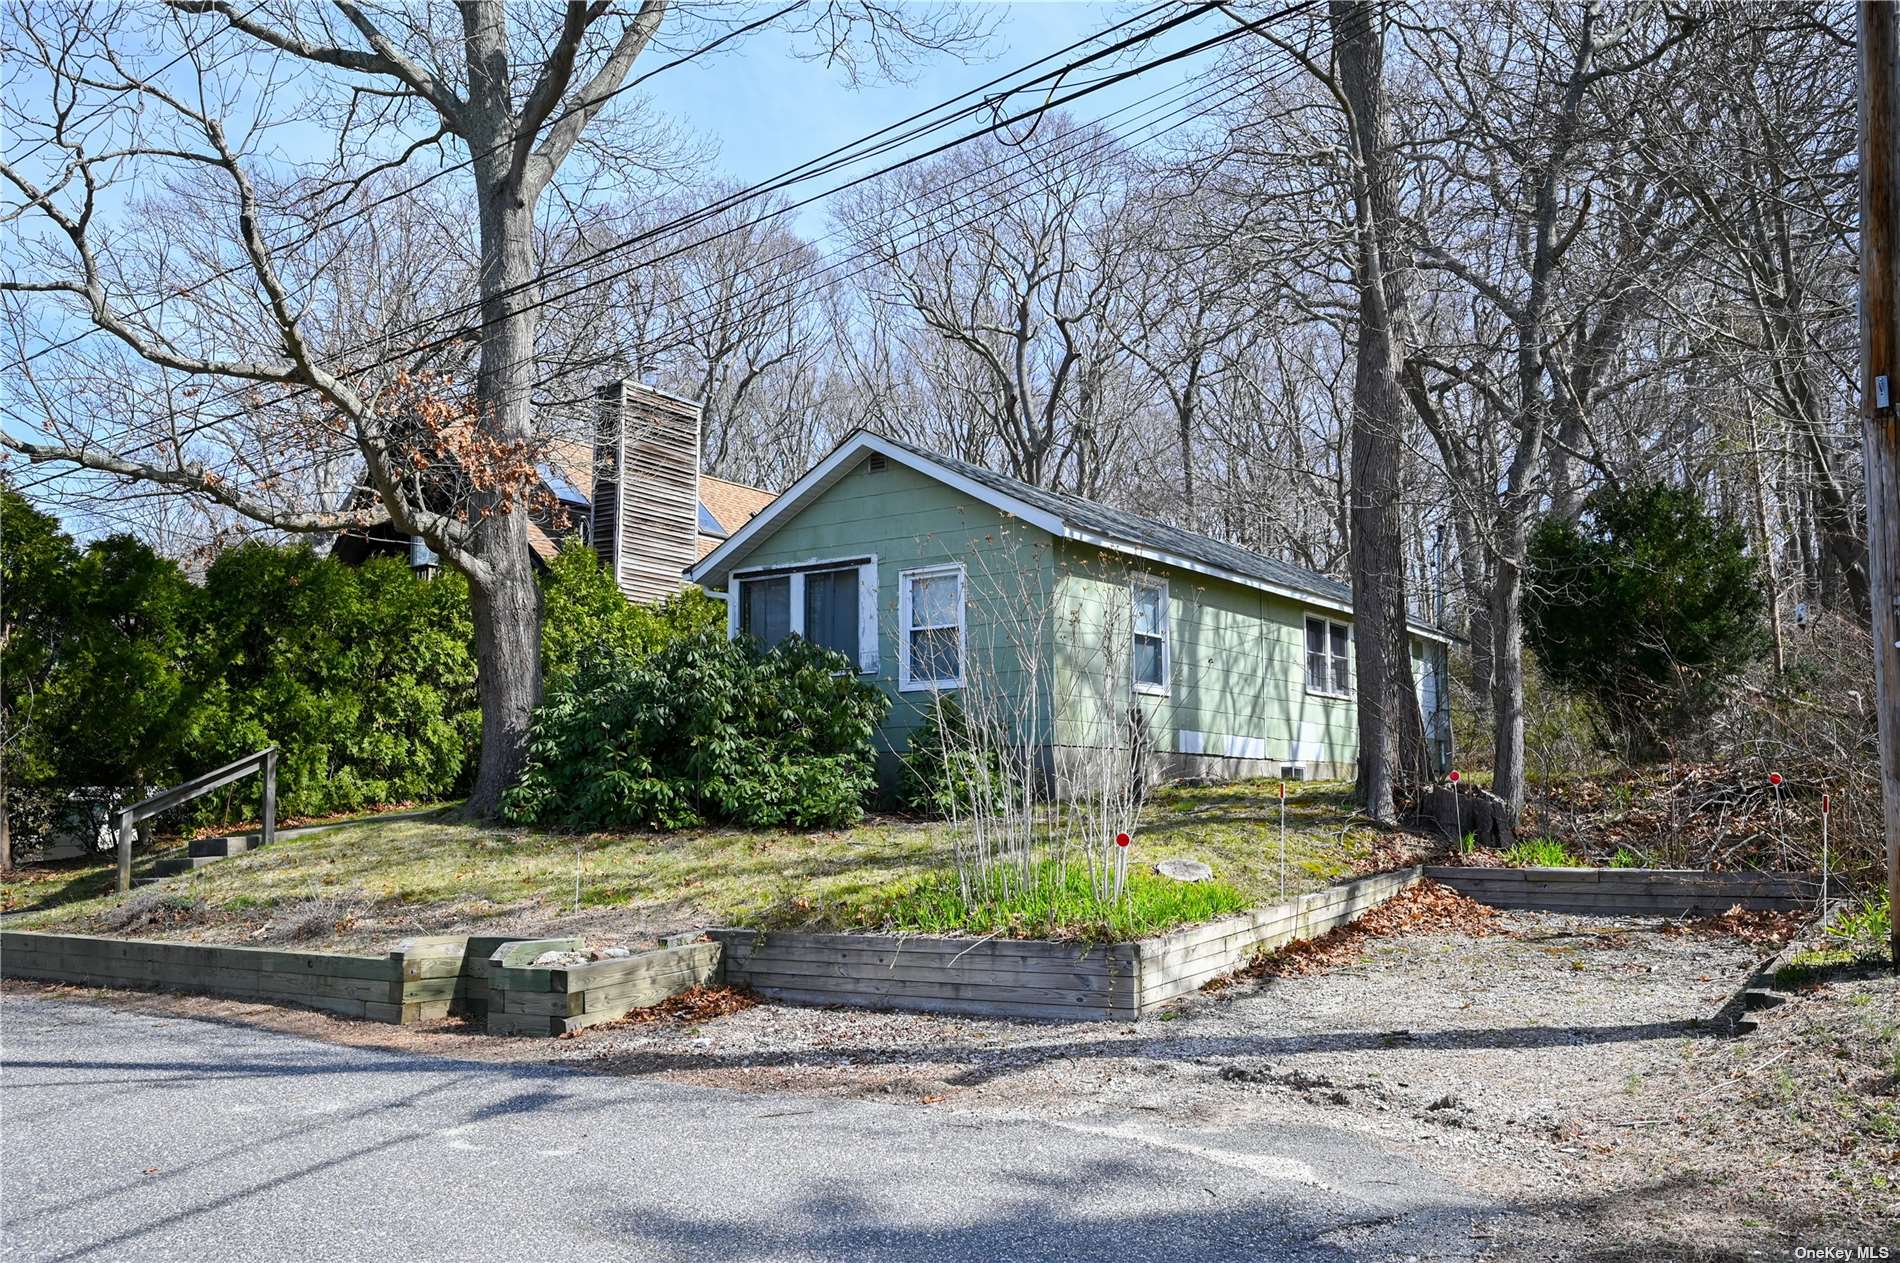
(732, 504)
(574, 461)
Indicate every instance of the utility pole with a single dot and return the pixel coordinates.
(1880, 382)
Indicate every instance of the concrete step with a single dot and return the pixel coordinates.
(218, 848)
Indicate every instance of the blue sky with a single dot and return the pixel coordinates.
(768, 111)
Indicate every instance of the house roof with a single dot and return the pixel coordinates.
(732, 504)
(1064, 516)
(567, 469)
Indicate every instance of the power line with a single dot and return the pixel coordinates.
(364, 209)
(832, 161)
(761, 190)
(1209, 98)
(772, 186)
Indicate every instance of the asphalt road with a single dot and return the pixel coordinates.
(131, 1136)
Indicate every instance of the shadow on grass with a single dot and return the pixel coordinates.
(85, 878)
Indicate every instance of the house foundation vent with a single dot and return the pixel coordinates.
(1293, 771)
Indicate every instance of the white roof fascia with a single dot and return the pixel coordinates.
(717, 563)
(821, 475)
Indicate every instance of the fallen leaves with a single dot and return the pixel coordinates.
(695, 1004)
(1751, 925)
(1425, 907)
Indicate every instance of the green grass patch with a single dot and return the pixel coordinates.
(1870, 921)
(1540, 853)
(1059, 900)
(1811, 965)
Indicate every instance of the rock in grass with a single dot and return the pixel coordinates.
(1185, 870)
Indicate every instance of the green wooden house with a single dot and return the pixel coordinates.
(1082, 627)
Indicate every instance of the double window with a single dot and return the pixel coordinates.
(833, 605)
(1328, 657)
(1148, 601)
(930, 628)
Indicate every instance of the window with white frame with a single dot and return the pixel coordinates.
(831, 604)
(930, 628)
(1148, 612)
(1328, 657)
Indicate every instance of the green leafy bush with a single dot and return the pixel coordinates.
(707, 729)
(1870, 921)
(948, 768)
(1648, 605)
(362, 676)
(118, 674)
(583, 610)
(92, 657)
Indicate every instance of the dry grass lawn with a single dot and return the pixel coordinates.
(364, 886)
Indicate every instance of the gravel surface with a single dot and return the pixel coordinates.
(1544, 1065)
(1563, 1072)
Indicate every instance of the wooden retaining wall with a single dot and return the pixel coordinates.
(555, 1000)
(1074, 982)
(1178, 963)
(398, 987)
(1657, 892)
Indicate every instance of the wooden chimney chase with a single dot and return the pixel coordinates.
(646, 489)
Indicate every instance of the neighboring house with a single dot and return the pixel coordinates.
(671, 516)
(1062, 617)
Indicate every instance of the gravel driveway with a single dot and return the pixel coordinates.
(1548, 1064)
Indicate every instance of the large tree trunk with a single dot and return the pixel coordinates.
(1507, 683)
(507, 613)
(1471, 570)
(505, 601)
(1391, 735)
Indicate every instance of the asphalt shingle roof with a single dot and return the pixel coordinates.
(1132, 528)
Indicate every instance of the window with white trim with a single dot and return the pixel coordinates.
(1149, 632)
(1328, 657)
(930, 628)
(831, 604)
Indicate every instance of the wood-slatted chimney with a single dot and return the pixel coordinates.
(646, 489)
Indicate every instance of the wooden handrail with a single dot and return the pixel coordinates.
(264, 761)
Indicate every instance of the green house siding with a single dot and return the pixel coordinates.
(1237, 670)
(908, 521)
(1048, 626)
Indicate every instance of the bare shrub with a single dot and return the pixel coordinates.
(312, 919)
(1054, 763)
(1816, 726)
(152, 906)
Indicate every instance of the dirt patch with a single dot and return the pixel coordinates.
(1751, 925)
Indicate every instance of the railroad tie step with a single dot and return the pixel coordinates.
(173, 867)
(219, 848)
